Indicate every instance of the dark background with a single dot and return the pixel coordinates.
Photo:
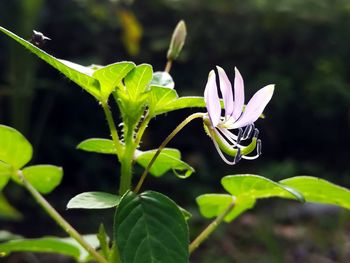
(302, 46)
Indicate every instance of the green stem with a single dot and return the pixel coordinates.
(142, 129)
(164, 143)
(126, 172)
(126, 161)
(210, 228)
(112, 128)
(59, 219)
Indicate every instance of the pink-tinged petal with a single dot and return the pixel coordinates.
(239, 95)
(212, 100)
(255, 107)
(226, 91)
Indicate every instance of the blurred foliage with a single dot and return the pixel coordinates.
(302, 46)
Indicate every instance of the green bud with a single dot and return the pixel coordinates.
(177, 41)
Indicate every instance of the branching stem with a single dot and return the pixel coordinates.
(112, 128)
(59, 219)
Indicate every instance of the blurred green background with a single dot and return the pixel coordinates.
(303, 46)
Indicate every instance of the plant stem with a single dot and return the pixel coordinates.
(210, 228)
(112, 128)
(164, 143)
(142, 129)
(126, 161)
(60, 220)
(168, 65)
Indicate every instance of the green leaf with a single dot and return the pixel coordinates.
(44, 178)
(77, 73)
(98, 145)
(245, 189)
(14, 147)
(111, 75)
(65, 246)
(212, 205)
(137, 81)
(7, 211)
(168, 159)
(319, 190)
(186, 102)
(150, 228)
(163, 79)
(48, 244)
(5, 174)
(163, 99)
(93, 200)
(160, 98)
(257, 186)
(103, 239)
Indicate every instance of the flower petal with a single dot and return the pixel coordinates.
(239, 95)
(212, 100)
(226, 91)
(255, 107)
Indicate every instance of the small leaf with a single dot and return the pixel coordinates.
(77, 73)
(98, 145)
(137, 81)
(7, 211)
(163, 79)
(93, 200)
(319, 190)
(14, 147)
(111, 75)
(160, 98)
(44, 178)
(5, 174)
(103, 239)
(212, 205)
(163, 99)
(65, 246)
(150, 228)
(168, 159)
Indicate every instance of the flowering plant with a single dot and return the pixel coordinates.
(148, 225)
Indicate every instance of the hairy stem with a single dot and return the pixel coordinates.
(126, 161)
(142, 129)
(60, 220)
(112, 128)
(164, 143)
(210, 228)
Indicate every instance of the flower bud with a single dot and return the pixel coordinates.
(177, 41)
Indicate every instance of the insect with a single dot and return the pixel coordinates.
(38, 38)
